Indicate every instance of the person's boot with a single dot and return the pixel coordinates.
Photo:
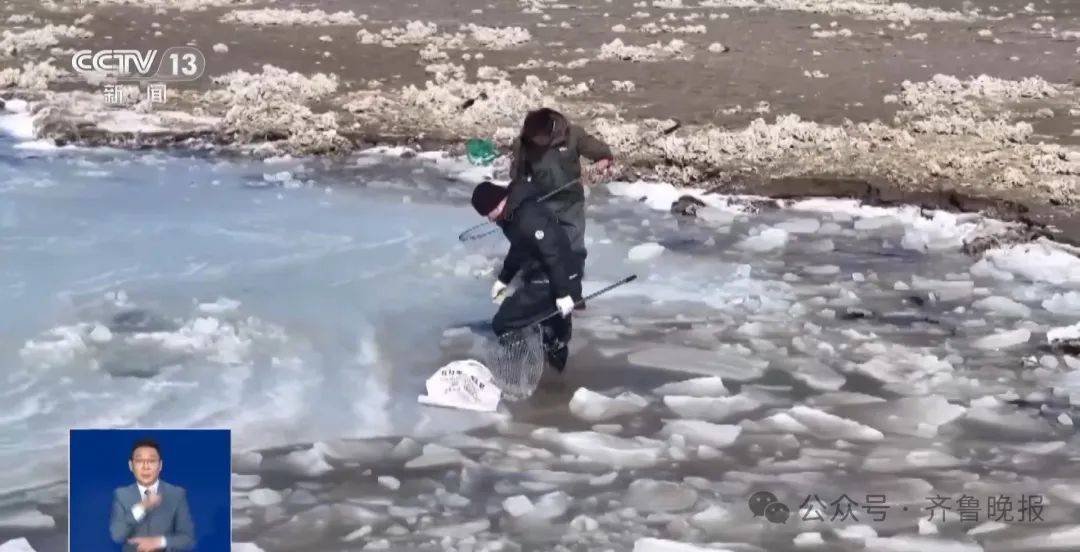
(557, 355)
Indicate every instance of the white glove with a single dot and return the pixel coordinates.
(498, 292)
(565, 304)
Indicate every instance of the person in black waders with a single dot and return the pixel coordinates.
(545, 157)
(550, 270)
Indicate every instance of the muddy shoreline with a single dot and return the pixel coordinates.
(1056, 222)
(939, 103)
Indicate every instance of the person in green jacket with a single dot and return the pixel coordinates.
(547, 155)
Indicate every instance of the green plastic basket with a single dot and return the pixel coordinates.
(480, 151)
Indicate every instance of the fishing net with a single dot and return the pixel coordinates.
(516, 360)
(482, 230)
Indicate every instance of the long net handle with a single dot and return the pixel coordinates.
(548, 195)
(591, 296)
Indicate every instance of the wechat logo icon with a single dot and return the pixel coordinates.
(765, 504)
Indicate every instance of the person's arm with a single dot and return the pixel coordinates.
(552, 246)
(512, 263)
(122, 522)
(183, 535)
(591, 147)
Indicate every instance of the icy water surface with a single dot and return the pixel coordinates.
(846, 351)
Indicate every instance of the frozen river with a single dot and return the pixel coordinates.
(847, 351)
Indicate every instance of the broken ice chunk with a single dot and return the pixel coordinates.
(1069, 492)
(1012, 425)
(436, 456)
(810, 539)
(660, 545)
(26, 519)
(715, 216)
(696, 387)
(822, 270)
(1066, 537)
(814, 374)
(892, 460)
(648, 495)
(768, 240)
(1066, 333)
(723, 363)
(595, 407)
(517, 505)
(246, 462)
(21, 545)
(306, 463)
(697, 432)
(606, 449)
(1002, 340)
(855, 533)
(829, 426)
(547, 507)
(244, 482)
(645, 252)
(459, 531)
(357, 451)
(901, 365)
(1003, 306)
(915, 416)
(1067, 304)
(843, 398)
(714, 409)
(800, 225)
(945, 290)
(987, 527)
(780, 422)
(904, 543)
(1036, 262)
(876, 223)
(264, 497)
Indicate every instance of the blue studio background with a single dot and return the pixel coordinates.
(197, 460)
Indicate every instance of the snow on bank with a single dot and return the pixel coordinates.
(182, 5)
(866, 9)
(273, 103)
(16, 121)
(32, 76)
(276, 17)
(427, 34)
(656, 51)
(18, 42)
(923, 230)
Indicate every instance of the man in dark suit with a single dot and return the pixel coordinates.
(150, 514)
(550, 270)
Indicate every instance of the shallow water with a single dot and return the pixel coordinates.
(310, 307)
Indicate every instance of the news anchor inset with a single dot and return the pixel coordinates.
(150, 514)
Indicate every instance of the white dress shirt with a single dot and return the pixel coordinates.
(138, 511)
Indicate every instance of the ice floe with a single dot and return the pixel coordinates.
(16, 545)
(714, 409)
(595, 407)
(607, 449)
(698, 432)
(695, 387)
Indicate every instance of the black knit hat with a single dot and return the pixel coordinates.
(486, 197)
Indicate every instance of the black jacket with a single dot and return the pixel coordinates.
(539, 243)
